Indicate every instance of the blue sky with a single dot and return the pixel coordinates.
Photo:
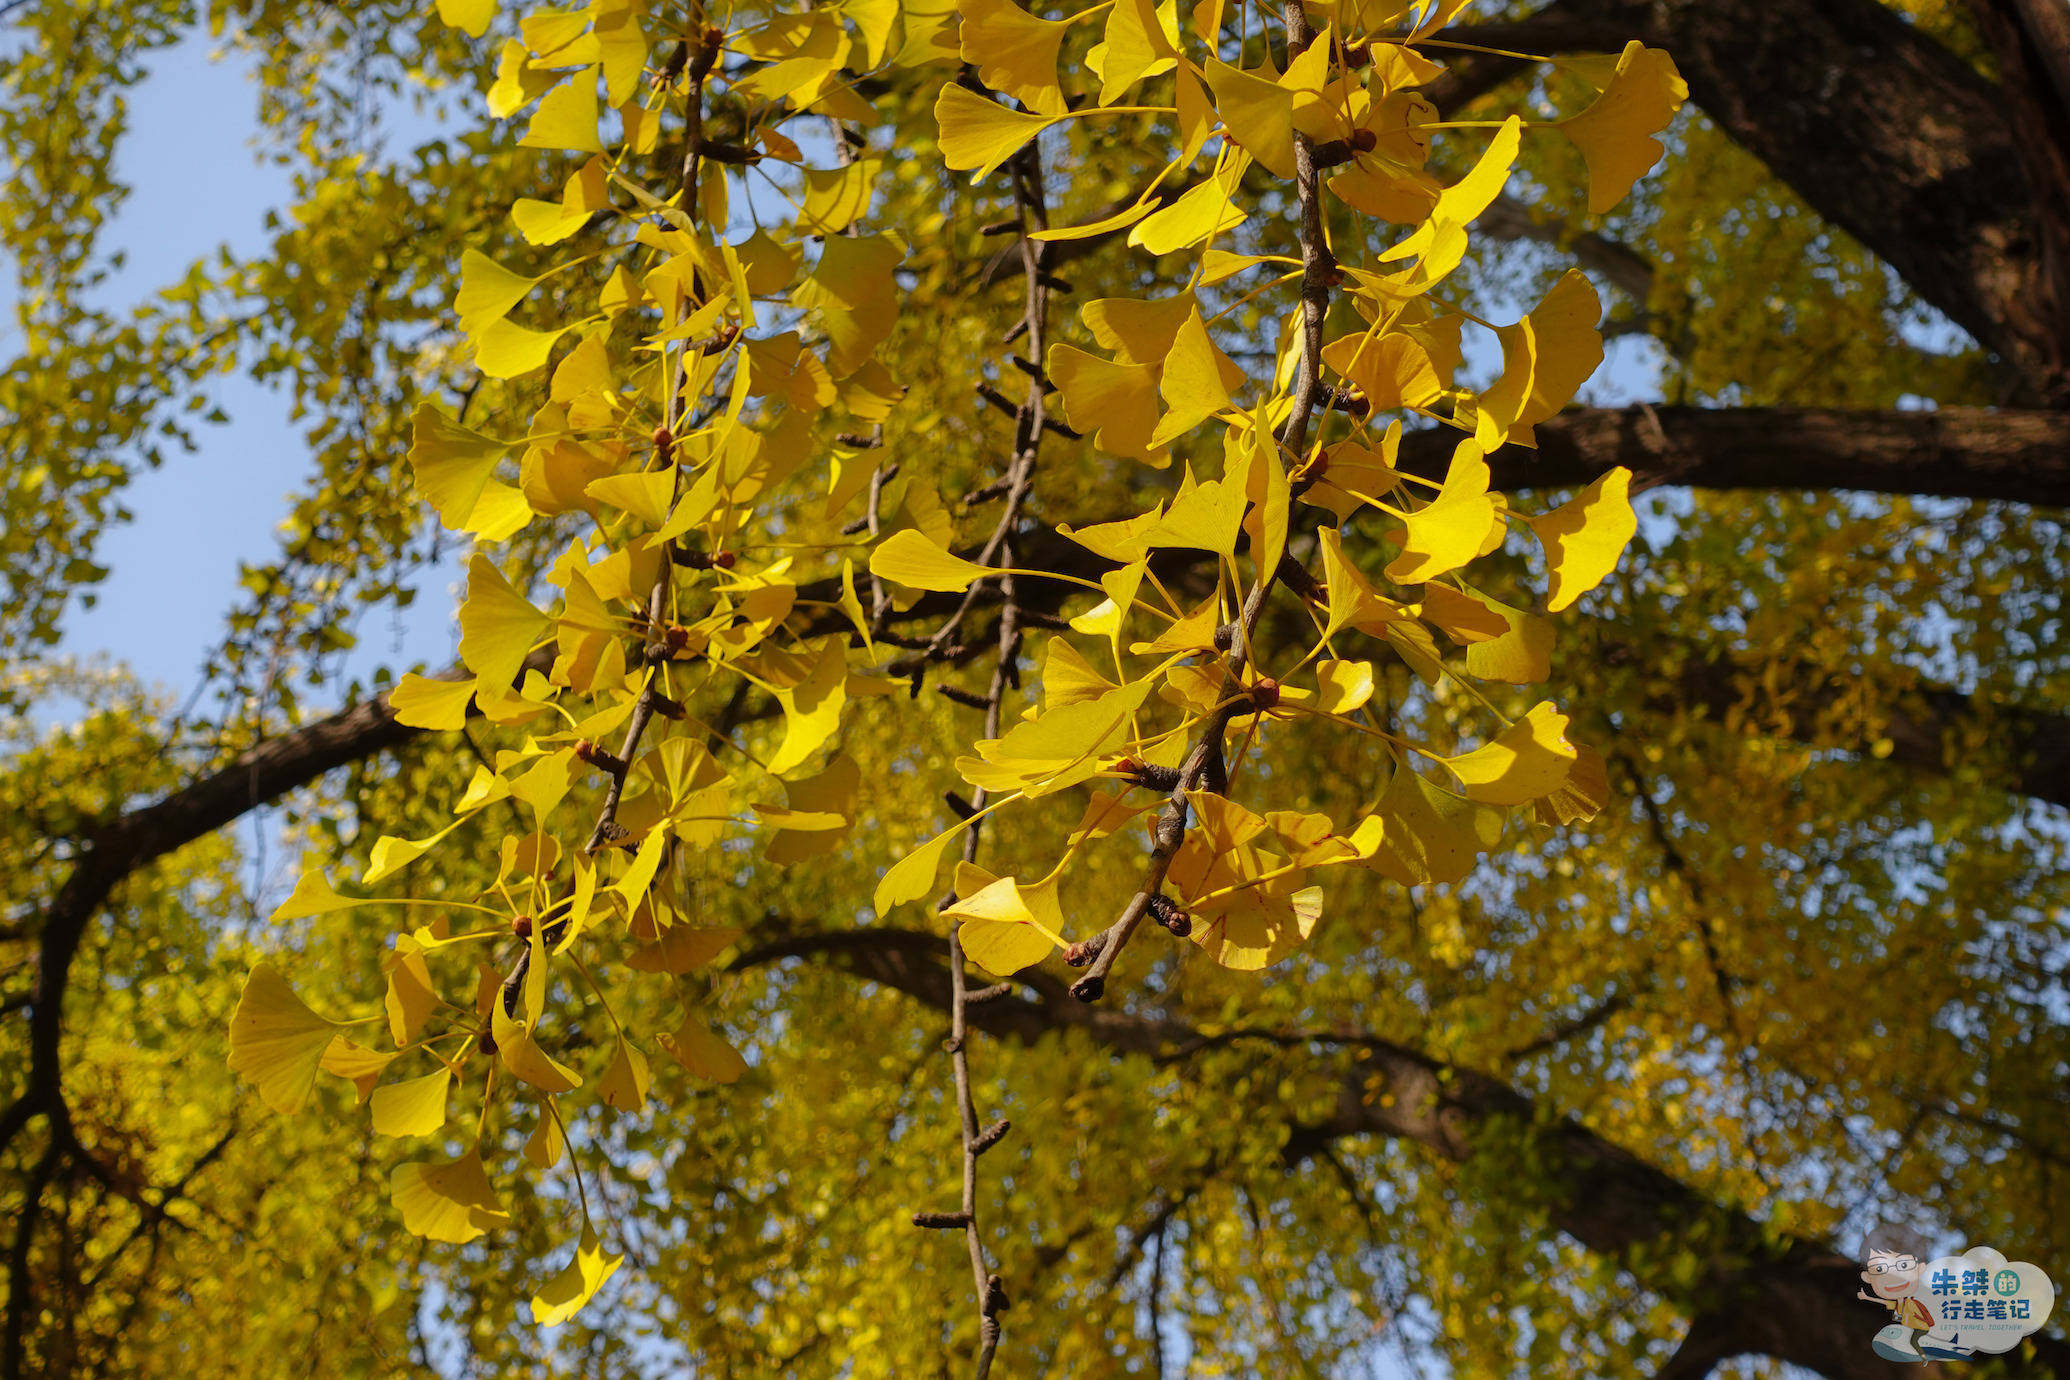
(197, 182)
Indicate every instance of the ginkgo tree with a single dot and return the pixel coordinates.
(673, 398)
(1060, 528)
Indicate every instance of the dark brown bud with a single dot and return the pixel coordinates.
(1225, 637)
(1149, 774)
(1082, 953)
(1364, 140)
(521, 926)
(664, 443)
(941, 1219)
(1265, 694)
(1166, 912)
(487, 1042)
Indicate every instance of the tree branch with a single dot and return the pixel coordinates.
(1758, 1292)
(1957, 452)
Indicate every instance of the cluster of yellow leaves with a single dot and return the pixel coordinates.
(690, 384)
(1156, 380)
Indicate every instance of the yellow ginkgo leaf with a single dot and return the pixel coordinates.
(912, 560)
(471, 15)
(1400, 196)
(646, 496)
(1057, 749)
(1352, 474)
(447, 1201)
(832, 792)
(1615, 135)
(517, 82)
(1205, 210)
(487, 290)
(415, 1107)
(1353, 602)
(506, 350)
(1001, 932)
(812, 707)
(1142, 330)
(1067, 677)
(360, 1066)
(498, 626)
(1106, 225)
(1391, 370)
(567, 116)
(978, 134)
(1206, 517)
(276, 1041)
(548, 1141)
(423, 702)
(313, 895)
(1546, 357)
(1115, 404)
(521, 1055)
(835, 198)
(391, 855)
(683, 948)
(410, 998)
(703, 1054)
(563, 1296)
(1441, 239)
(1191, 385)
(1529, 759)
(1258, 112)
(1140, 41)
(1521, 654)
(1343, 686)
(1584, 795)
(1429, 834)
(624, 49)
(624, 1085)
(453, 466)
(1585, 537)
(1259, 926)
(1015, 52)
(1449, 531)
(911, 877)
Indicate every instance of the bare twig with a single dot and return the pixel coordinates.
(1030, 423)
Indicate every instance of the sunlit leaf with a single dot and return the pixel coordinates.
(447, 1200)
(276, 1041)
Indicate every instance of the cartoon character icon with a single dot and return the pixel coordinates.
(1893, 1274)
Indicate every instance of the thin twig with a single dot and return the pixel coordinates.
(1029, 427)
